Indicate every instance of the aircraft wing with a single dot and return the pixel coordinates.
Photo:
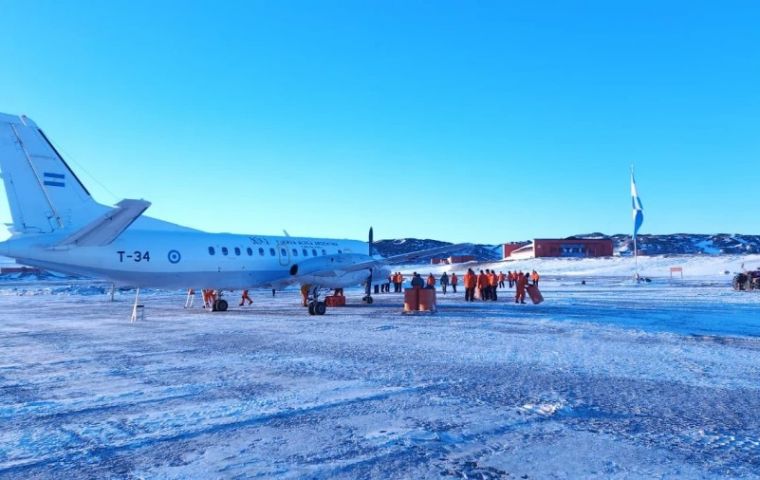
(426, 253)
(338, 265)
(107, 227)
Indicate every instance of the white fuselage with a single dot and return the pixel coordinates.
(192, 259)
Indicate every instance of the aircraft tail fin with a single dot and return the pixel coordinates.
(44, 195)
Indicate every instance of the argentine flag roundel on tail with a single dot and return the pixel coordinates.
(638, 209)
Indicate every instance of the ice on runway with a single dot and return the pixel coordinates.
(604, 380)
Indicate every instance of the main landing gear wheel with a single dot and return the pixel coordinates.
(320, 308)
(220, 306)
(368, 300)
(317, 308)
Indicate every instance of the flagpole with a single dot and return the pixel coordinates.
(635, 244)
(635, 258)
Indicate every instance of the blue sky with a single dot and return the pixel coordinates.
(461, 121)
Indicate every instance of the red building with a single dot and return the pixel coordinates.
(508, 248)
(572, 247)
(567, 247)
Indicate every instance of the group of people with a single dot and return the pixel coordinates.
(395, 279)
(485, 284)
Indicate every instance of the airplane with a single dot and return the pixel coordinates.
(58, 226)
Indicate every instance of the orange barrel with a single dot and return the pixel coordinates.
(427, 300)
(411, 299)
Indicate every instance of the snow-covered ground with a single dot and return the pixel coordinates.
(603, 380)
(712, 267)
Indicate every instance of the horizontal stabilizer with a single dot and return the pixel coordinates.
(110, 225)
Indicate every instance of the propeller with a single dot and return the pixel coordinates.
(371, 241)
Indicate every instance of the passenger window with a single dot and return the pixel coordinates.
(305, 253)
(283, 252)
(295, 252)
(211, 251)
(249, 251)
(261, 252)
(324, 252)
(225, 251)
(271, 252)
(314, 252)
(237, 251)
(340, 252)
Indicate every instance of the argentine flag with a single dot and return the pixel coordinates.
(638, 209)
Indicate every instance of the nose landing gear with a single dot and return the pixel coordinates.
(316, 306)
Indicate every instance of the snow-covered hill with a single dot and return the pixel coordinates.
(669, 244)
(690, 243)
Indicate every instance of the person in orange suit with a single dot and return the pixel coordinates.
(454, 280)
(493, 283)
(511, 279)
(305, 294)
(482, 285)
(502, 278)
(245, 298)
(520, 284)
(470, 281)
(534, 276)
(431, 281)
(208, 298)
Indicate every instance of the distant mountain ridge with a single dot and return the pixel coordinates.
(667, 244)
(388, 248)
(689, 244)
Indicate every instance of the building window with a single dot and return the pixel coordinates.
(261, 251)
(237, 251)
(211, 251)
(272, 252)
